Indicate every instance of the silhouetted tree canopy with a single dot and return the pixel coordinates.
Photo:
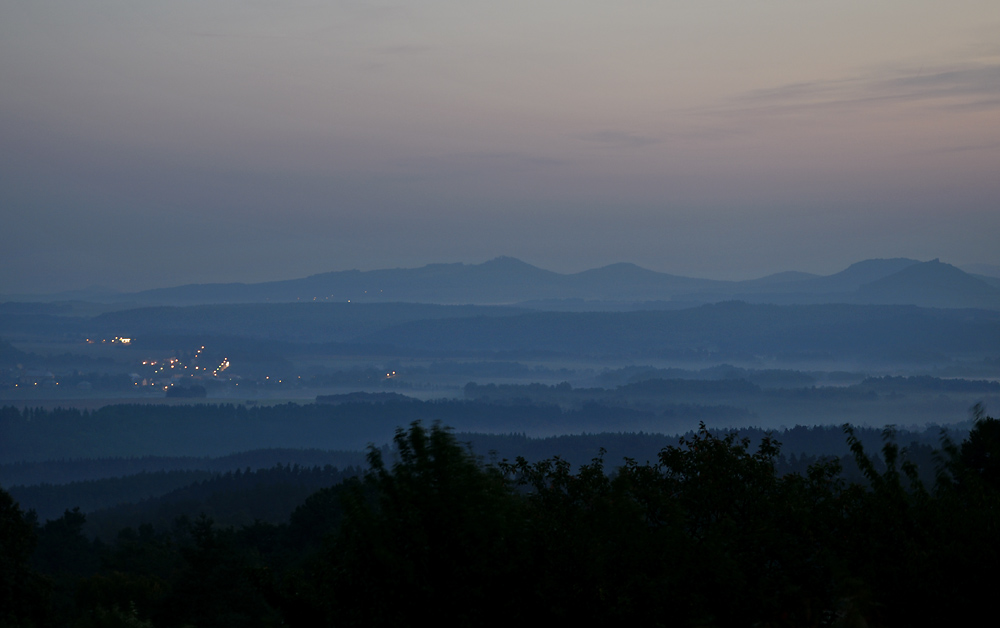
(708, 534)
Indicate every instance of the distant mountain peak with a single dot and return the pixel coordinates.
(511, 268)
(621, 270)
(506, 279)
(883, 262)
(931, 284)
(506, 261)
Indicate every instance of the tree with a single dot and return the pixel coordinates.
(22, 592)
(430, 538)
(980, 453)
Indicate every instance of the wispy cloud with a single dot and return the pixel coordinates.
(965, 148)
(957, 87)
(618, 139)
(474, 163)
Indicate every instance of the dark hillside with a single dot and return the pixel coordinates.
(723, 329)
(931, 284)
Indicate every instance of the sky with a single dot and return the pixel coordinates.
(147, 144)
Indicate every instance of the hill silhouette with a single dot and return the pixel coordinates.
(930, 284)
(621, 286)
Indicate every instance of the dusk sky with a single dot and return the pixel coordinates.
(147, 144)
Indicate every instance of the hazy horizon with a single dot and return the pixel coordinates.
(153, 145)
(985, 269)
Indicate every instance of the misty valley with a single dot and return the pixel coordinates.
(480, 444)
(451, 313)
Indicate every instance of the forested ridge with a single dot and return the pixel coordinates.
(350, 422)
(710, 533)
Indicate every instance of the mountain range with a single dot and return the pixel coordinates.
(622, 286)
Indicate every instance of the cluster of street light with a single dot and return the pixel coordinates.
(175, 363)
(222, 366)
(117, 340)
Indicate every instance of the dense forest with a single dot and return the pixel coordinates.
(223, 465)
(711, 532)
(352, 421)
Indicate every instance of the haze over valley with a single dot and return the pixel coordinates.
(432, 332)
(448, 313)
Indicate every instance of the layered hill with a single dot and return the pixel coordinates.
(623, 286)
(930, 284)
